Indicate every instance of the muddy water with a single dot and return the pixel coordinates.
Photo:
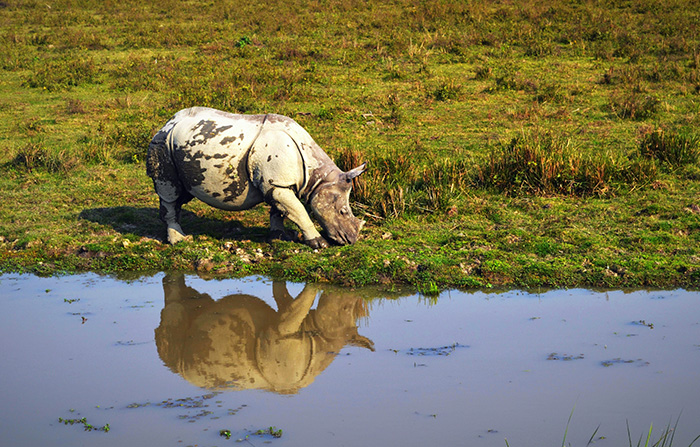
(173, 360)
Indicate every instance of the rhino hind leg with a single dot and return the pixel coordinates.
(170, 190)
(170, 214)
(287, 204)
(172, 197)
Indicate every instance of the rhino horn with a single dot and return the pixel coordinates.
(356, 172)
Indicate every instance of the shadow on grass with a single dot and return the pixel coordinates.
(144, 222)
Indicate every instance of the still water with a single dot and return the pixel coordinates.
(173, 360)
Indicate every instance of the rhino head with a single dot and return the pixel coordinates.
(331, 206)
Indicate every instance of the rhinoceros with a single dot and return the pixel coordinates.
(234, 162)
(239, 342)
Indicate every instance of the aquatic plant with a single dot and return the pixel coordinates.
(225, 433)
(272, 431)
(86, 426)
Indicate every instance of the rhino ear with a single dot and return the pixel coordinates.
(356, 172)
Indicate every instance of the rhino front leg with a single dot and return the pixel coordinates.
(284, 200)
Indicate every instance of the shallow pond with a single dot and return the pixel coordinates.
(174, 360)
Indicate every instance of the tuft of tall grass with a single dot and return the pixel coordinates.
(63, 73)
(482, 72)
(540, 163)
(36, 156)
(665, 440)
(507, 77)
(445, 90)
(399, 182)
(394, 105)
(382, 189)
(634, 106)
(348, 159)
(671, 148)
(126, 139)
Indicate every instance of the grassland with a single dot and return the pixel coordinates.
(510, 143)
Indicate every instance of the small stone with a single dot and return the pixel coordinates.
(204, 265)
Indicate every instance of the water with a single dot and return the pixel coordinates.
(172, 361)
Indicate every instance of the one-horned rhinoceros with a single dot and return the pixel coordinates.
(234, 162)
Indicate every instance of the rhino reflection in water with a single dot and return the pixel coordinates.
(240, 342)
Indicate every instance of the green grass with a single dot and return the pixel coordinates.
(509, 144)
(665, 439)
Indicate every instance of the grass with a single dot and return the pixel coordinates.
(509, 144)
(671, 150)
(544, 165)
(665, 439)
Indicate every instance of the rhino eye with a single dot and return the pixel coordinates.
(344, 210)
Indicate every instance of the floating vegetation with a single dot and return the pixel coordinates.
(272, 431)
(225, 434)
(638, 362)
(196, 407)
(86, 425)
(442, 350)
(564, 357)
(626, 335)
(131, 343)
(188, 402)
(138, 405)
(199, 403)
(195, 417)
(643, 323)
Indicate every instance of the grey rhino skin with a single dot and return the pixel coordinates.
(234, 162)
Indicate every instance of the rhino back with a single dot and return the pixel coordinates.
(314, 156)
(210, 150)
(313, 161)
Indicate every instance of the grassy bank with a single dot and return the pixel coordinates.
(509, 143)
